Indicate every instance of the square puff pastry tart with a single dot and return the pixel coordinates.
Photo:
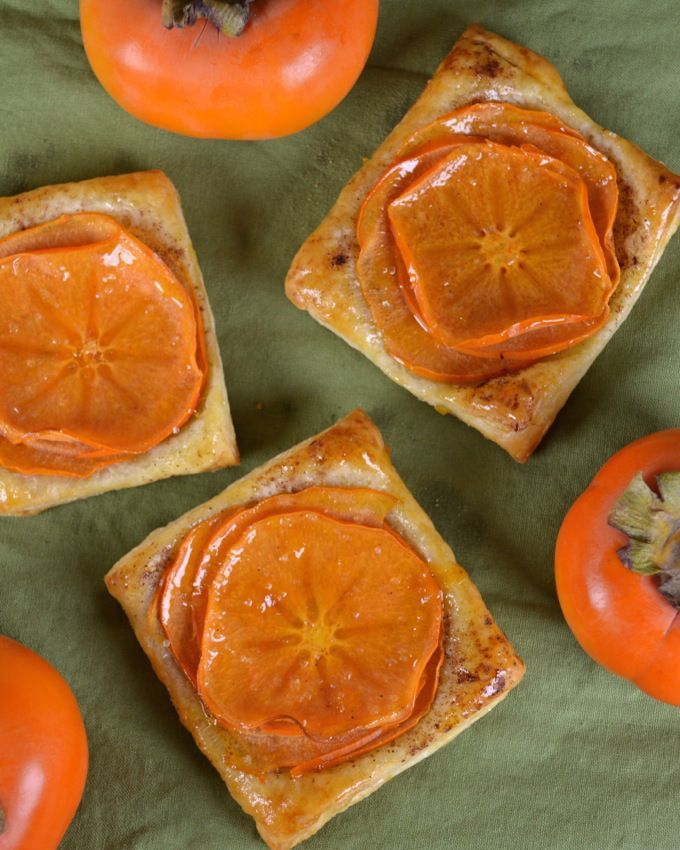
(479, 668)
(514, 410)
(147, 204)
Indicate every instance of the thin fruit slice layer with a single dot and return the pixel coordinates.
(51, 457)
(187, 580)
(499, 241)
(424, 342)
(310, 630)
(510, 125)
(387, 293)
(99, 347)
(258, 753)
(327, 623)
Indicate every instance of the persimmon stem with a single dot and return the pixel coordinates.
(228, 16)
(652, 524)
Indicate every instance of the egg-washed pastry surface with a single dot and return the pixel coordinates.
(112, 372)
(255, 608)
(491, 246)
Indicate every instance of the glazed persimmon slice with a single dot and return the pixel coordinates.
(174, 605)
(378, 268)
(395, 309)
(257, 753)
(511, 125)
(184, 597)
(98, 341)
(388, 733)
(499, 241)
(48, 457)
(328, 623)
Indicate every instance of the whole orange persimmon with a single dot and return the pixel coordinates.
(43, 751)
(617, 565)
(171, 65)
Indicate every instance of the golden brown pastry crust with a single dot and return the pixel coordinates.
(480, 666)
(515, 410)
(149, 206)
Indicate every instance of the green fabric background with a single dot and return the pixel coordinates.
(575, 758)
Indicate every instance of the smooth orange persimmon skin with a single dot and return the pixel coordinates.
(293, 63)
(183, 600)
(43, 751)
(99, 346)
(499, 241)
(619, 617)
(328, 623)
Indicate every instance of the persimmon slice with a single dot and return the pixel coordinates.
(328, 623)
(98, 340)
(178, 594)
(387, 293)
(426, 694)
(499, 241)
(49, 457)
(511, 125)
(184, 597)
(259, 754)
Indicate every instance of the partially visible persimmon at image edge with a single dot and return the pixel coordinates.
(102, 348)
(308, 600)
(487, 244)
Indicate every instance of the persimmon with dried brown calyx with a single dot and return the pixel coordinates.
(289, 64)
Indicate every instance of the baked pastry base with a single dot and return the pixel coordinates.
(514, 410)
(479, 669)
(149, 206)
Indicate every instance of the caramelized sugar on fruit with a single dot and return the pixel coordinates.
(489, 239)
(320, 630)
(388, 292)
(99, 347)
(188, 579)
(507, 124)
(330, 624)
(497, 241)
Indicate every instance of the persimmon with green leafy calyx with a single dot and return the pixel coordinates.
(183, 601)
(43, 747)
(99, 344)
(499, 241)
(627, 620)
(652, 524)
(292, 63)
(327, 623)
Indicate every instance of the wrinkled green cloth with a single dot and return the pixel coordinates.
(574, 759)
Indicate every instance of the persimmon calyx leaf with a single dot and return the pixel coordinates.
(229, 18)
(652, 524)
